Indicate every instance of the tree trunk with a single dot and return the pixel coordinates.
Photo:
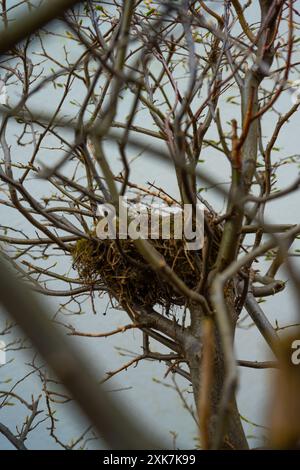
(234, 437)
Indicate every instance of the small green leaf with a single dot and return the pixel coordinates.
(149, 12)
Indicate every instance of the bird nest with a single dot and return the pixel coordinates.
(118, 267)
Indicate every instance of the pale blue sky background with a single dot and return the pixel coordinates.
(157, 406)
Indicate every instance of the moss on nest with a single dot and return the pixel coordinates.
(121, 270)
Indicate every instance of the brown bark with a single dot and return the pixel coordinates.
(234, 437)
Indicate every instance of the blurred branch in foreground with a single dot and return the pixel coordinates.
(112, 423)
